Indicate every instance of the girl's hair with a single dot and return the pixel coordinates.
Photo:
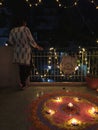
(18, 21)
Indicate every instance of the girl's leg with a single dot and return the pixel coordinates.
(24, 71)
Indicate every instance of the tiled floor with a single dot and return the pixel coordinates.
(13, 104)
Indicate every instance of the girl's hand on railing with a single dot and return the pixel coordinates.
(39, 48)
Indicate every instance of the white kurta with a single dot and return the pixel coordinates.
(22, 40)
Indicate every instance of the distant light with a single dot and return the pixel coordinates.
(60, 5)
(75, 3)
(96, 7)
(51, 48)
(92, 1)
(49, 67)
(83, 49)
(0, 3)
(97, 41)
(36, 4)
(77, 67)
(50, 80)
(6, 44)
(30, 5)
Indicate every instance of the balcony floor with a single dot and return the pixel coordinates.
(13, 103)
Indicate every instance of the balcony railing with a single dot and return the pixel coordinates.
(46, 65)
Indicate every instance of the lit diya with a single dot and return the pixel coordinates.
(65, 112)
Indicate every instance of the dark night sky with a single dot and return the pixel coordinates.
(58, 25)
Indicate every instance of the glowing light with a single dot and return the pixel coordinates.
(51, 48)
(74, 122)
(76, 99)
(49, 61)
(49, 58)
(49, 67)
(36, 72)
(36, 4)
(92, 111)
(58, 66)
(97, 41)
(37, 94)
(70, 105)
(6, 44)
(80, 51)
(60, 5)
(76, 68)
(75, 3)
(78, 64)
(30, 5)
(55, 57)
(83, 49)
(51, 112)
(58, 99)
(41, 76)
(96, 7)
(0, 3)
(92, 1)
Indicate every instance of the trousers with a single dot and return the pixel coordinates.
(24, 72)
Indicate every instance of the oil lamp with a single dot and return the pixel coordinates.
(74, 122)
(58, 99)
(70, 105)
(51, 112)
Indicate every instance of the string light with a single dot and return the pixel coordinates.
(94, 3)
(64, 5)
(33, 4)
(1, 2)
(60, 3)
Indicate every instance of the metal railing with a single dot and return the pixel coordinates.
(46, 65)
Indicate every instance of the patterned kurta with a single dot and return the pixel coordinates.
(22, 40)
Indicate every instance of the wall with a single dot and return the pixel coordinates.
(9, 73)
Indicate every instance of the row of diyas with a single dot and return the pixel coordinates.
(92, 111)
(73, 121)
(60, 99)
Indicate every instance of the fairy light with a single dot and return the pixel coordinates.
(83, 49)
(60, 3)
(94, 3)
(97, 41)
(75, 3)
(97, 7)
(1, 3)
(30, 5)
(33, 4)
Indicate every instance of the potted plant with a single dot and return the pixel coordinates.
(92, 81)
